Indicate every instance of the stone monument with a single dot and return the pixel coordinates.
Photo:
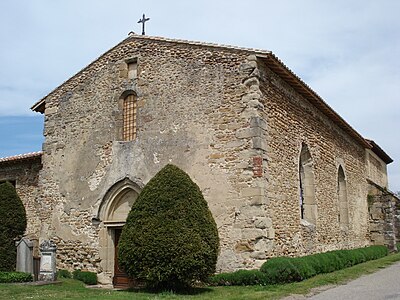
(48, 269)
(24, 255)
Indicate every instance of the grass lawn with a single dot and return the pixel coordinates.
(72, 289)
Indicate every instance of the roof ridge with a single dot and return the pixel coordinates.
(199, 43)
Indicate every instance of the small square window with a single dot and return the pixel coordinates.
(132, 69)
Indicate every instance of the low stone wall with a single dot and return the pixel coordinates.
(74, 254)
(384, 216)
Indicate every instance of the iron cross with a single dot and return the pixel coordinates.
(143, 20)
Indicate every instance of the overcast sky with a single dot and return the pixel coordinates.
(346, 51)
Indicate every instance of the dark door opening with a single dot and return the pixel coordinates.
(120, 279)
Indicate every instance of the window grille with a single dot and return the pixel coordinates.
(129, 118)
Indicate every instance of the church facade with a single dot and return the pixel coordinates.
(282, 172)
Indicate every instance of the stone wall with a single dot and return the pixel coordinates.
(292, 122)
(25, 173)
(376, 169)
(397, 221)
(384, 216)
(222, 116)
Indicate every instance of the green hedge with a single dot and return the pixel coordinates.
(281, 269)
(64, 274)
(89, 278)
(10, 277)
(240, 277)
(285, 269)
(290, 269)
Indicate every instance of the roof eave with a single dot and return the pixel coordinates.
(21, 157)
(39, 106)
(379, 152)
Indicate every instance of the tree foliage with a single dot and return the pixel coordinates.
(170, 238)
(12, 225)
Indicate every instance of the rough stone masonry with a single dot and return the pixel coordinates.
(283, 174)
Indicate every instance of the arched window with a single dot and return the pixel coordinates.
(342, 199)
(129, 118)
(308, 205)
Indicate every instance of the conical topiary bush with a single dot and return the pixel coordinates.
(12, 225)
(170, 238)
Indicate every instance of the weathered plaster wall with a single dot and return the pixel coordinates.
(292, 120)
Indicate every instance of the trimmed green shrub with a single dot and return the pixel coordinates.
(10, 277)
(86, 277)
(326, 262)
(286, 269)
(12, 225)
(63, 274)
(240, 277)
(314, 263)
(305, 267)
(289, 269)
(374, 252)
(281, 270)
(346, 257)
(358, 256)
(170, 239)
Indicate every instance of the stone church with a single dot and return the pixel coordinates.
(282, 172)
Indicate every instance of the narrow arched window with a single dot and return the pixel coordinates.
(308, 205)
(129, 118)
(342, 200)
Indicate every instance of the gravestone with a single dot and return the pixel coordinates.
(48, 269)
(24, 256)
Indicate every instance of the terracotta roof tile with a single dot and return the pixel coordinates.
(21, 157)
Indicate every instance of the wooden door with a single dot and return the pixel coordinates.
(120, 279)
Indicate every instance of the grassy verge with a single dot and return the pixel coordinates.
(72, 289)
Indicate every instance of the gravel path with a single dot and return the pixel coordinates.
(384, 284)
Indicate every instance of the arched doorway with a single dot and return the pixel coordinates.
(112, 215)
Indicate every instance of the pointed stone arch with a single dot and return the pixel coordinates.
(117, 202)
(111, 215)
(308, 205)
(342, 199)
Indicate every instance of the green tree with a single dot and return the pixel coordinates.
(12, 225)
(170, 239)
